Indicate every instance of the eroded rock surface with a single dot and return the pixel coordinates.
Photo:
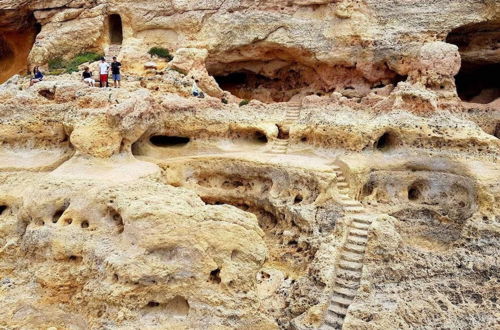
(341, 171)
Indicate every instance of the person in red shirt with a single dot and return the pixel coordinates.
(103, 73)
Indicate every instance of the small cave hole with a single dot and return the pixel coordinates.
(177, 306)
(169, 141)
(152, 304)
(2, 208)
(117, 220)
(260, 137)
(368, 188)
(58, 214)
(74, 258)
(415, 191)
(68, 221)
(385, 141)
(215, 276)
(84, 224)
(298, 199)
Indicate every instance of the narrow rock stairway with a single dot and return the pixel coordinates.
(280, 146)
(350, 262)
(113, 50)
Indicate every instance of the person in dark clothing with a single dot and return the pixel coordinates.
(37, 76)
(87, 77)
(115, 72)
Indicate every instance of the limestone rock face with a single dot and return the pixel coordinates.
(340, 170)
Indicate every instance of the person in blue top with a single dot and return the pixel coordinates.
(37, 76)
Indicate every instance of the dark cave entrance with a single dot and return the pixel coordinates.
(478, 80)
(165, 141)
(478, 83)
(115, 29)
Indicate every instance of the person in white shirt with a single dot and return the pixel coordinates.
(103, 73)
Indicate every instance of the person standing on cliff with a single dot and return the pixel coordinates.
(103, 73)
(115, 72)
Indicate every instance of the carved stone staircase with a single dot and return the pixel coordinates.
(280, 146)
(113, 50)
(350, 261)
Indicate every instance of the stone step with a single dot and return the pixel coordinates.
(359, 225)
(349, 202)
(350, 284)
(337, 309)
(332, 321)
(354, 209)
(280, 141)
(341, 300)
(344, 190)
(358, 240)
(348, 275)
(345, 291)
(358, 232)
(354, 248)
(356, 266)
(342, 184)
(351, 256)
(363, 218)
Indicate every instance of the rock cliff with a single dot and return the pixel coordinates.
(340, 172)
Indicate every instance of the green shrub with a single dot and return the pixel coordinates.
(89, 57)
(224, 101)
(160, 52)
(58, 65)
(244, 102)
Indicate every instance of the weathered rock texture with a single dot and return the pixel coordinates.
(357, 186)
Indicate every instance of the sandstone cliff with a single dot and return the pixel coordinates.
(341, 171)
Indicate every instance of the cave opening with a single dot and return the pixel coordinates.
(215, 276)
(271, 73)
(115, 29)
(478, 44)
(385, 141)
(165, 141)
(15, 46)
(2, 208)
(478, 83)
(415, 190)
(260, 137)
